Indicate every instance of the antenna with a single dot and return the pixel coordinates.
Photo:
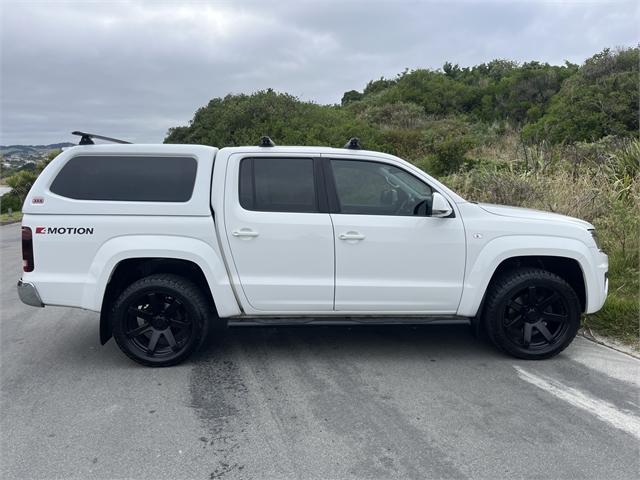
(87, 138)
(353, 144)
(265, 141)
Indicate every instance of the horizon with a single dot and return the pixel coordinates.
(315, 51)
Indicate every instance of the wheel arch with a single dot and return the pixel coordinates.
(131, 269)
(145, 254)
(566, 268)
(564, 257)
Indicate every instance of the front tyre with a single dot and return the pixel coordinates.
(532, 314)
(160, 320)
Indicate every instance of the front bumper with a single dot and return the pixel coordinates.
(598, 286)
(28, 294)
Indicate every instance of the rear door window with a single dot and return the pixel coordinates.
(272, 184)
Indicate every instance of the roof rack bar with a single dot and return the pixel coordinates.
(87, 138)
(266, 141)
(353, 144)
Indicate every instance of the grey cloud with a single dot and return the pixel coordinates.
(134, 69)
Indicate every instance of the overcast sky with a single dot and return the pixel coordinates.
(133, 69)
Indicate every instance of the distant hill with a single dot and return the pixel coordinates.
(15, 158)
(32, 149)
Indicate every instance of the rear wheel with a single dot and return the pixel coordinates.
(160, 320)
(532, 313)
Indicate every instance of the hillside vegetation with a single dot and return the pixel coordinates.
(557, 138)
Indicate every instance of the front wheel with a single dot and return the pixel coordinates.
(532, 313)
(160, 320)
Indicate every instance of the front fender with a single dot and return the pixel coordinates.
(122, 248)
(480, 271)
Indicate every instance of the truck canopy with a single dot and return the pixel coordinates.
(125, 179)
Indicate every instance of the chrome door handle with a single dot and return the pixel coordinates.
(351, 236)
(244, 232)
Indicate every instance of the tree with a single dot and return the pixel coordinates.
(600, 100)
(351, 96)
(242, 119)
(21, 183)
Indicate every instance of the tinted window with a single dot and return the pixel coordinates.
(122, 178)
(372, 188)
(278, 185)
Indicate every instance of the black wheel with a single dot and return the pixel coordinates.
(160, 320)
(532, 314)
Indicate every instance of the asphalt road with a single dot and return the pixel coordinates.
(305, 402)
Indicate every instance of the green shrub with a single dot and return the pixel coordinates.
(396, 116)
(242, 119)
(447, 143)
(10, 201)
(21, 182)
(600, 99)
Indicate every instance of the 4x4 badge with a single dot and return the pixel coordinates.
(65, 230)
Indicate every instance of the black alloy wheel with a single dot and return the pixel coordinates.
(536, 317)
(157, 324)
(160, 320)
(532, 313)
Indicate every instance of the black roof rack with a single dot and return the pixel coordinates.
(353, 144)
(265, 141)
(87, 138)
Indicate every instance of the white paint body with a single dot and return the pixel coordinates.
(295, 264)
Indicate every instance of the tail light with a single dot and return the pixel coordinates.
(27, 250)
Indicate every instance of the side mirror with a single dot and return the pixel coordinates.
(441, 207)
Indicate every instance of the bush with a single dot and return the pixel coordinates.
(351, 96)
(406, 144)
(242, 119)
(396, 116)
(600, 99)
(21, 183)
(10, 201)
(448, 155)
(447, 143)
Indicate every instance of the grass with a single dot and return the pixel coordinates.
(620, 316)
(5, 217)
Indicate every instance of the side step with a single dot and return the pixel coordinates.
(330, 320)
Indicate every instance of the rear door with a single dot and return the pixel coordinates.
(390, 255)
(280, 232)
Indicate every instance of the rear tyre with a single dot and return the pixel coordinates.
(160, 320)
(532, 314)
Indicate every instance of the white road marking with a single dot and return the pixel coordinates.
(605, 411)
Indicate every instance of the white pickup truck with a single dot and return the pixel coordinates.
(166, 241)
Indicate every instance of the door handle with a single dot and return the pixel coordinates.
(351, 236)
(244, 232)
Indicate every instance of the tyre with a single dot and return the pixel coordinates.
(160, 320)
(532, 314)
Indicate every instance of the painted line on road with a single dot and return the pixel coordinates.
(603, 410)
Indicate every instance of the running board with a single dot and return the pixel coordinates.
(330, 320)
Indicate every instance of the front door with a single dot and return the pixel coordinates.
(391, 256)
(280, 233)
